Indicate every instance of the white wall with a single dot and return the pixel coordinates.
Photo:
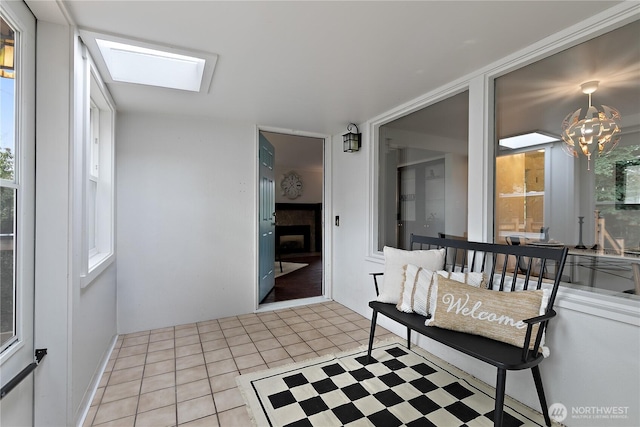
(76, 325)
(352, 284)
(92, 334)
(562, 181)
(186, 223)
(455, 168)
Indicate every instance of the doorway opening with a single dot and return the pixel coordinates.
(297, 255)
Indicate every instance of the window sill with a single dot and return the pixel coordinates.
(97, 264)
(620, 308)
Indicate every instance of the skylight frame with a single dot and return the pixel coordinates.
(526, 140)
(196, 63)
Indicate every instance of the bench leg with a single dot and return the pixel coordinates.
(408, 338)
(537, 378)
(500, 389)
(372, 334)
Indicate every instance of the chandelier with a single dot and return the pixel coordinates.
(597, 130)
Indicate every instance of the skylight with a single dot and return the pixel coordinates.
(134, 64)
(526, 140)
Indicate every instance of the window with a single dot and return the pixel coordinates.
(589, 207)
(628, 184)
(92, 182)
(617, 192)
(422, 173)
(17, 188)
(98, 170)
(9, 186)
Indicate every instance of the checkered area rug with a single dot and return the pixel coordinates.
(399, 387)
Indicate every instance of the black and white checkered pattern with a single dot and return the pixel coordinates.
(398, 387)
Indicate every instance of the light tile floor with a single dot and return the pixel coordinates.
(185, 375)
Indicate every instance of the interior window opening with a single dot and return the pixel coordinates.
(422, 179)
(571, 177)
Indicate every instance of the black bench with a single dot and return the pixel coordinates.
(502, 265)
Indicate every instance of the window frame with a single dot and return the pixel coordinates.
(371, 131)
(19, 348)
(96, 98)
(14, 184)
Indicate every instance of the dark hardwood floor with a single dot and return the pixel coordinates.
(303, 283)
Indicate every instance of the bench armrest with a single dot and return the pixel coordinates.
(538, 319)
(542, 319)
(375, 280)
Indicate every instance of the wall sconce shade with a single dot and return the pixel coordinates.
(352, 141)
(596, 126)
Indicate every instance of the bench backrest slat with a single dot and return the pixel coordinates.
(516, 267)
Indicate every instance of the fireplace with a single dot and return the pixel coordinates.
(301, 223)
(293, 238)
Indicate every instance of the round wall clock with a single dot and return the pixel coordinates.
(291, 185)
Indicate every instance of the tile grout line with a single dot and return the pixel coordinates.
(206, 369)
(175, 373)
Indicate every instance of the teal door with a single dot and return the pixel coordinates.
(267, 229)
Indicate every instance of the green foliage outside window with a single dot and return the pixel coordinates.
(619, 223)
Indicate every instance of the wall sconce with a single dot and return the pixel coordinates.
(352, 141)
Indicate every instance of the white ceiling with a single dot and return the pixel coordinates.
(540, 95)
(537, 97)
(316, 66)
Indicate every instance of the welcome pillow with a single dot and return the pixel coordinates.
(395, 261)
(492, 314)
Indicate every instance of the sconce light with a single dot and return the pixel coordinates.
(599, 126)
(352, 141)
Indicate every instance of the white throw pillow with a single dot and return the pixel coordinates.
(475, 279)
(414, 297)
(508, 280)
(395, 261)
(421, 292)
(405, 303)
